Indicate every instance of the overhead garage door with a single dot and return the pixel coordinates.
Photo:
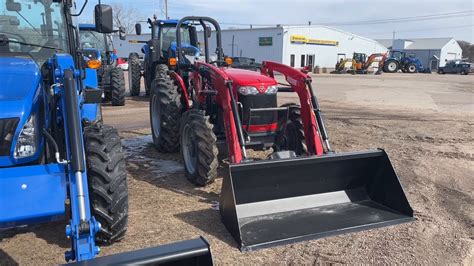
(451, 56)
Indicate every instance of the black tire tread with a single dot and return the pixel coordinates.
(294, 120)
(134, 69)
(117, 85)
(168, 140)
(107, 177)
(207, 149)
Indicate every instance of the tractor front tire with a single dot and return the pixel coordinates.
(134, 74)
(198, 147)
(117, 87)
(411, 68)
(165, 113)
(293, 137)
(161, 72)
(107, 178)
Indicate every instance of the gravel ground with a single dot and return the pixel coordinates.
(424, 122)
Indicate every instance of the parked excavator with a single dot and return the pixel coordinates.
(361, 62)
(303, 189)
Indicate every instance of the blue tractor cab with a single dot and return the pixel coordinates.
(58, 160)
(399, 60)
(159, 52)
(99, 47)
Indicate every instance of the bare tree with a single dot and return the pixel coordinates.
(125, 17)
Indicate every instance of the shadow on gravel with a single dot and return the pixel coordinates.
(52, 233)
(5, 259)
(208, 221)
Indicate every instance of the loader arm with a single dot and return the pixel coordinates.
(300, 83)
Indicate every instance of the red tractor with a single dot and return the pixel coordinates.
(303, 189)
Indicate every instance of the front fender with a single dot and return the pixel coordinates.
(90, 112)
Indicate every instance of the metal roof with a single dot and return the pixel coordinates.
(421, 43)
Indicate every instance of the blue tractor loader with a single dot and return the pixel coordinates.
(159, 52)
(57, 158)
(100, 47)
(398, 60)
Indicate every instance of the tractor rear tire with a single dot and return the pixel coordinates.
(293, 137)
(165, 113)
(411, 68)
(117, 87)
(198, 147)
(134, 74)
(107, 178)
(391, 66)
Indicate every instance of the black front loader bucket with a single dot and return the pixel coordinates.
(272, 202)
(188, 252)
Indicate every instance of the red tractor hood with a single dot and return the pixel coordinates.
(242, 77)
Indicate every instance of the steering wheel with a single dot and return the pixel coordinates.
(22, 39)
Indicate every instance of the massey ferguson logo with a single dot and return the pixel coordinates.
(261, 89)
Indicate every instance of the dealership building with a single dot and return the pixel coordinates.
(432, 52)
(298, 46)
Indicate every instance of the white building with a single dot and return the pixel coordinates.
(297, 46)
(433, 52)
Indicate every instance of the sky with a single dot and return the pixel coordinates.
(231, 13)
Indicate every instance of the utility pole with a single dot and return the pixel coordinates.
(166, 9)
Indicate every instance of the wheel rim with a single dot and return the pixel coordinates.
(156, 115)
(189, 149)
(411, 68)
(392, 66)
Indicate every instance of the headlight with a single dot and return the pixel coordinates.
(272, 89)
(27, 141)
(248, 90)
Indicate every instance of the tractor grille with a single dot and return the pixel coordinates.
(7, 132)
(258, 101)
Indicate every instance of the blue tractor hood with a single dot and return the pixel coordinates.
(19, 77)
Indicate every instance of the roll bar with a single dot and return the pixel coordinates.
(202, 21)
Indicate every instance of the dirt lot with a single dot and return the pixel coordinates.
(424, 122)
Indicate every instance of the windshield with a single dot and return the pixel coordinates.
(34, 27)
(95, 40)
(168, 35)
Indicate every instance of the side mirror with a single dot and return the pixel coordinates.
(13, 6)
(138, 29)
(104, 22)
(122, 33)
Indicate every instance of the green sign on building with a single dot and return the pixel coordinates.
(265, 41)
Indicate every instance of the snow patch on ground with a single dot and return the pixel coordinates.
(138, 156)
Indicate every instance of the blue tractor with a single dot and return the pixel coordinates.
(58, 161)
(398, 60)
(159, 53)
(99, 46)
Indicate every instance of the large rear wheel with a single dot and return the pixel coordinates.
(117, 87)
(391, 66)
(134, 74)
(107, 177)
(165, 113)
(198, 147)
